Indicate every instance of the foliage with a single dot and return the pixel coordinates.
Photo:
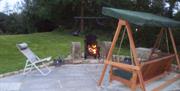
(177, 16)
(3, 20)
(58, 12)
(47, 15)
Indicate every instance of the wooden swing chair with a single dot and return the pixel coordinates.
(141, 72)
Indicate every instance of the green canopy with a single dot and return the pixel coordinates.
(140, 18)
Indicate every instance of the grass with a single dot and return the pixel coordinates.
(53, 44)
(46, 44)
(122, 51)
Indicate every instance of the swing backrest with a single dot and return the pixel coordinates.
(156, 67)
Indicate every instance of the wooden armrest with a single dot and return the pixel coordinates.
(123, 66)
(158, 59)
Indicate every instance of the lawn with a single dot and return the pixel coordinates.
(46, 44)
(53, 44)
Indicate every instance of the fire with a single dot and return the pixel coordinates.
(92, 49)
(91, 46)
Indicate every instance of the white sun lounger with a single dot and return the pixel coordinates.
(32, 59)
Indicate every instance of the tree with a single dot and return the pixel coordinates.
(177, 16)
(46, 15)
(3, 20)
(6, 8)
(52, 13)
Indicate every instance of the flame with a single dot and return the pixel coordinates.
(93, 46)
(92, 49)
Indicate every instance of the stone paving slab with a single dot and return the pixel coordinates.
(15, 86)
(79, 77)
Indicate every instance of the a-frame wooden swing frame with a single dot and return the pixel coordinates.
(137, 67)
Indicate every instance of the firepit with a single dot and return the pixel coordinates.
(91, 47)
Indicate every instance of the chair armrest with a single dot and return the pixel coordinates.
(46, 59)
(42, 60)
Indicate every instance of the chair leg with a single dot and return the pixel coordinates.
(31, 67)
(40, 70)
(49, 70)
(43, 73)
(25, 67)
(28, 68)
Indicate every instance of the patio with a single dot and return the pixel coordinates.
(69, 77)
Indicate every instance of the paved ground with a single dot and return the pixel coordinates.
(80, 77)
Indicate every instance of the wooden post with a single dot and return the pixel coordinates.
(133, 48)
(121, 41)
(174, 47)
(110, 74)
(120, 23)
(134, 81)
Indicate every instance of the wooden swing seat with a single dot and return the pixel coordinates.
(141, 72)
(151, 70)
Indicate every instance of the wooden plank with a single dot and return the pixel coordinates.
(156, 77)
(174, 47)
(133, 48)
(120, 24)
(158, 59)
(168, 82)
(123, 66)
(152, 70)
